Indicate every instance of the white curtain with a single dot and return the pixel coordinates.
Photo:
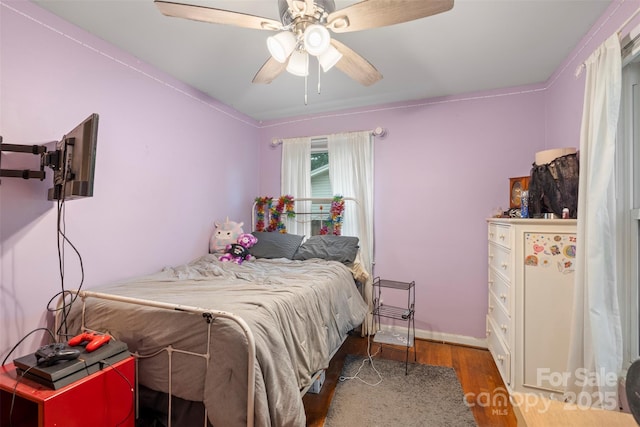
(351, 175)
(596, 344)
(296, 179)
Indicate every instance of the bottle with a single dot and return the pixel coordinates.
(524, 204)
(565, 213)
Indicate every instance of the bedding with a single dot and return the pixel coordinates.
(298, 311)
(334, 248)
(275, 245)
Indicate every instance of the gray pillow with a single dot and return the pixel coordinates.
(275, 244)
(329, 247)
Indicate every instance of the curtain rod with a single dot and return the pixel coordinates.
(379, 132)
(625, 23)
(582, 65)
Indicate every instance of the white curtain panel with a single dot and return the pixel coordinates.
(351, 175)
(296, 180)
(595, 356)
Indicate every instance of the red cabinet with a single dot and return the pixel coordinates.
(103, 399)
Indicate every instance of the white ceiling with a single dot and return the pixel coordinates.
(478, 45)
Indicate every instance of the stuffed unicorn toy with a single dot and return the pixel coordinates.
(224, 235)
(239, 251)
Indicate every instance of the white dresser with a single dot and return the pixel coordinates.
(530, 277)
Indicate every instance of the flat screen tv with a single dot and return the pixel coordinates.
(73, 174)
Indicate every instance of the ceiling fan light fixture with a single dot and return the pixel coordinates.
(281, 45)
(299, 63)
(329, 58)
(316, 39)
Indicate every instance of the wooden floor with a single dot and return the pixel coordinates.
(476, 370)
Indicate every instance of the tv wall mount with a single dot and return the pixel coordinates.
(47, 159)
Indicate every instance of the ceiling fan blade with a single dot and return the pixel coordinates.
(269, 71)
(379, 13)
(216, 16)
(355, 66)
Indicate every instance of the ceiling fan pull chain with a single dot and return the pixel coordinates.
(319, 74)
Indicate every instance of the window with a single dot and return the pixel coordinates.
(628, 218)
(351, 166)
(320, 183)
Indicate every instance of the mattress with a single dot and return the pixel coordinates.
(298, 311)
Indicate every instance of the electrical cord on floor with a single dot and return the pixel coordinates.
(369, 359)
(130, 388)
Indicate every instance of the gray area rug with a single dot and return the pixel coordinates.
(427, 396)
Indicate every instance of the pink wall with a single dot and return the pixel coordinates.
(565, 93)
(439, 173)
(163, 173)
(444, 168)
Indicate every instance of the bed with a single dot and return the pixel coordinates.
(241, 342)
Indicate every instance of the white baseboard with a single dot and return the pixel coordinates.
(440, 336)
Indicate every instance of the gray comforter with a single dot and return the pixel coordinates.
(298, 311)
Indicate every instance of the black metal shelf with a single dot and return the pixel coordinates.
(392, 312)
(394, 284)
(404, 313)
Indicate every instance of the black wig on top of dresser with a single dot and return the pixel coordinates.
(554, 186)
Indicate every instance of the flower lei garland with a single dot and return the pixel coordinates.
(264, 204)
(285, 204)
(335, 217)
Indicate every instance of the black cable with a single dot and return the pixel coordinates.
(61, 259)
(24, 338)
(62, 240)
(14, 394)
(61, 228)
(66, 307)
(130, 388)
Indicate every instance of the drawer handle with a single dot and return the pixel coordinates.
(504, 327)
(491, 235)
(501, 358)
(501, 237)
(490, 308)
(491, 282)
(503, 297)
(504, 265)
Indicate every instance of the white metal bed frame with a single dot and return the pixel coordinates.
(208, 315)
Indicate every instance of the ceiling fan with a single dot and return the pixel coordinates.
(303, 31)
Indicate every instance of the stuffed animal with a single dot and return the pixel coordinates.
(224, 235)
(239, 251)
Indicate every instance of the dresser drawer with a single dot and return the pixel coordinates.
(500, 318)
(499, 351)
(501, 289)
(500, 234)
(500, 260)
